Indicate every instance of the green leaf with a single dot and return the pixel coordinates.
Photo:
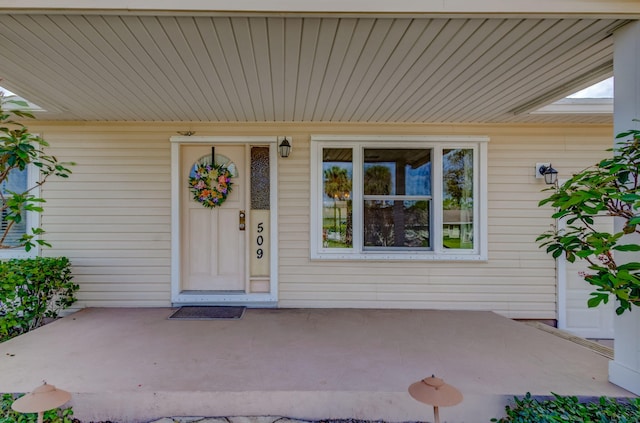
(594, 301)
(627, 247)
(17, 102)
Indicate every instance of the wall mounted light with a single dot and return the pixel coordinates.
(284, 148)
(544, 170)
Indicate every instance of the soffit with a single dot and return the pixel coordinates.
(277, 69)
(599, 8)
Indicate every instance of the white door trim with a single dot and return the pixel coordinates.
(561, 272)
(561, 277)
(179, 298)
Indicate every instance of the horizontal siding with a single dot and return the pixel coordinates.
(112, 219)
(112, 216)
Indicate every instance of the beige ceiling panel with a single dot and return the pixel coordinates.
(246, 69)
(465, 7)
(356, 41)
(276, 55)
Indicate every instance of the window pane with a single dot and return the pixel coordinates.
(16, 182)
(337, 210)
(397, 172)
(457, 204)
(396, 223)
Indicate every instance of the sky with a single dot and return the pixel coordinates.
(602, 89)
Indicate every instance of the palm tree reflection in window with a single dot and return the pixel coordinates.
(457, 203)
(337, 186)
(379, 220)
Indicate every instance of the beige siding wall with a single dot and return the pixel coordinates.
(112, 218)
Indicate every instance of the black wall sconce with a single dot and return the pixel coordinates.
(284, 148)
(544, 170)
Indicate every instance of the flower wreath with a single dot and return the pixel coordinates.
(211, 184)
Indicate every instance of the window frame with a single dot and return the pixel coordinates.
(32, 220)
(437, 143)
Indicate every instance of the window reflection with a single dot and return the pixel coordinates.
(337, 210)
(457, 204)
(397, 198)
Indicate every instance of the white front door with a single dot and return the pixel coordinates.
(213, 241)
(577, 317)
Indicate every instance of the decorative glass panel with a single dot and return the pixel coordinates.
(260, 182)
(396, 223)
(457, 198)
(220, 160)
(337, 205)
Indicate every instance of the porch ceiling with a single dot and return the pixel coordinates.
(314, 69)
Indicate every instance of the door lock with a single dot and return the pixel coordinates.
(241, 219)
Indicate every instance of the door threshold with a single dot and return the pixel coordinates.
(228, 298)
(205, 292)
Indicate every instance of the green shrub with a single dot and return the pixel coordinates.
(569, 409)
(611, 188)
(32, 290)
(7, 415)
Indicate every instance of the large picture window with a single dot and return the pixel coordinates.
(398, 198)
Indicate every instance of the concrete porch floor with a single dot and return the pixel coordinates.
(135, 365)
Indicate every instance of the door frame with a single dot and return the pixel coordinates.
(178, 297)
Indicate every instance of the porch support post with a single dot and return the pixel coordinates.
(624, 370)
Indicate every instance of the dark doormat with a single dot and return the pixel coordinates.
(208, 313)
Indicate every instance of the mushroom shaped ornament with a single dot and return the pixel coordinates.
(43, 398)
(434, 391)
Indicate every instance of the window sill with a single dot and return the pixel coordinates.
(10, 253)
(399, 256)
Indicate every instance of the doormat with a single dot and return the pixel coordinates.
(208, 313)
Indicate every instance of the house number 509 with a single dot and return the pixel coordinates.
(260, 241)
(260, 244)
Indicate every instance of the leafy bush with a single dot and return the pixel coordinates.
(570, 410)
(612, 188)
(18, 149)
(32, 290)
(7, 415)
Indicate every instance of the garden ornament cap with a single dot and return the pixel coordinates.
(43, 398)
(434, 391)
